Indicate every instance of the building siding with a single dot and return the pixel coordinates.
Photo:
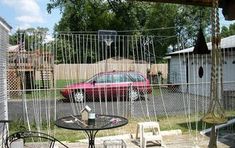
(177, 72)
(4, 42)
(195, 84)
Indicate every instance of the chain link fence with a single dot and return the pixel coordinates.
(38, 71)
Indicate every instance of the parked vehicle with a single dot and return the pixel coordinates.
(109, 85)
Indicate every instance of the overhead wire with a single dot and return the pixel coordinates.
(123, 31)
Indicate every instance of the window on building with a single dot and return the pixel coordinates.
(200, 72)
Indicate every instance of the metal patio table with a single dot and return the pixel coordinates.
(102, 122)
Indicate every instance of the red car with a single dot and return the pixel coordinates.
(109, 85)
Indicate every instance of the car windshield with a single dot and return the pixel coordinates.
(92, 79)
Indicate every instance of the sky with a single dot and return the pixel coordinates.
(32, 13)
(28, 13)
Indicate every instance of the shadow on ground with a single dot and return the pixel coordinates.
(226, 135)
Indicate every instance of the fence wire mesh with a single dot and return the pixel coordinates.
(38, 72)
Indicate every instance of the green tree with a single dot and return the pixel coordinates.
(82, 15)
(228, 31)
(161, 16)
(188, 20)
(30, 38)
(140, 17)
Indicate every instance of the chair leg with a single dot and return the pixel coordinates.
(141, 136)
(52, 144)
(137, 132)
(145, 143)
(162, 144)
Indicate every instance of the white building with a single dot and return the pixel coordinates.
(4, 42)
(184, 67)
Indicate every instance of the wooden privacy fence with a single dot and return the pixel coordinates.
(155, 68)
(85, 71)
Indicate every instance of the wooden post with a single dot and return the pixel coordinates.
(213, 137)
(42, 78)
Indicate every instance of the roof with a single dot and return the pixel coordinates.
(87, 108)
(119, 72)
(118, 60)
(167, 57)
(5, 24)
(228, 42)
(15, 48)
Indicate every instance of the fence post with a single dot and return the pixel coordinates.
(130, 102)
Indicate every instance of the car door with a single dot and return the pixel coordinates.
(121, 83)
(102, 85)
(139, 81)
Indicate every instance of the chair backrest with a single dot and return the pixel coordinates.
(32, 134)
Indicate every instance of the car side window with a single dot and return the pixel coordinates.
(104, 79)
(135, 77)
(120, 78)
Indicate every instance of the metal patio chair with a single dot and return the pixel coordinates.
(114, 143)
(20, 139)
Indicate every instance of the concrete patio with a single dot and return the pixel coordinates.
(175, 140)
(181, 141)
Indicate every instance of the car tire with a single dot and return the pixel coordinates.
(145, 96)
(78, 96)
(133, 94)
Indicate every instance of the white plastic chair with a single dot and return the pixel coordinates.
(154, 136)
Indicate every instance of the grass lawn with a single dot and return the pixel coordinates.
(172, 122)
(42, 93)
